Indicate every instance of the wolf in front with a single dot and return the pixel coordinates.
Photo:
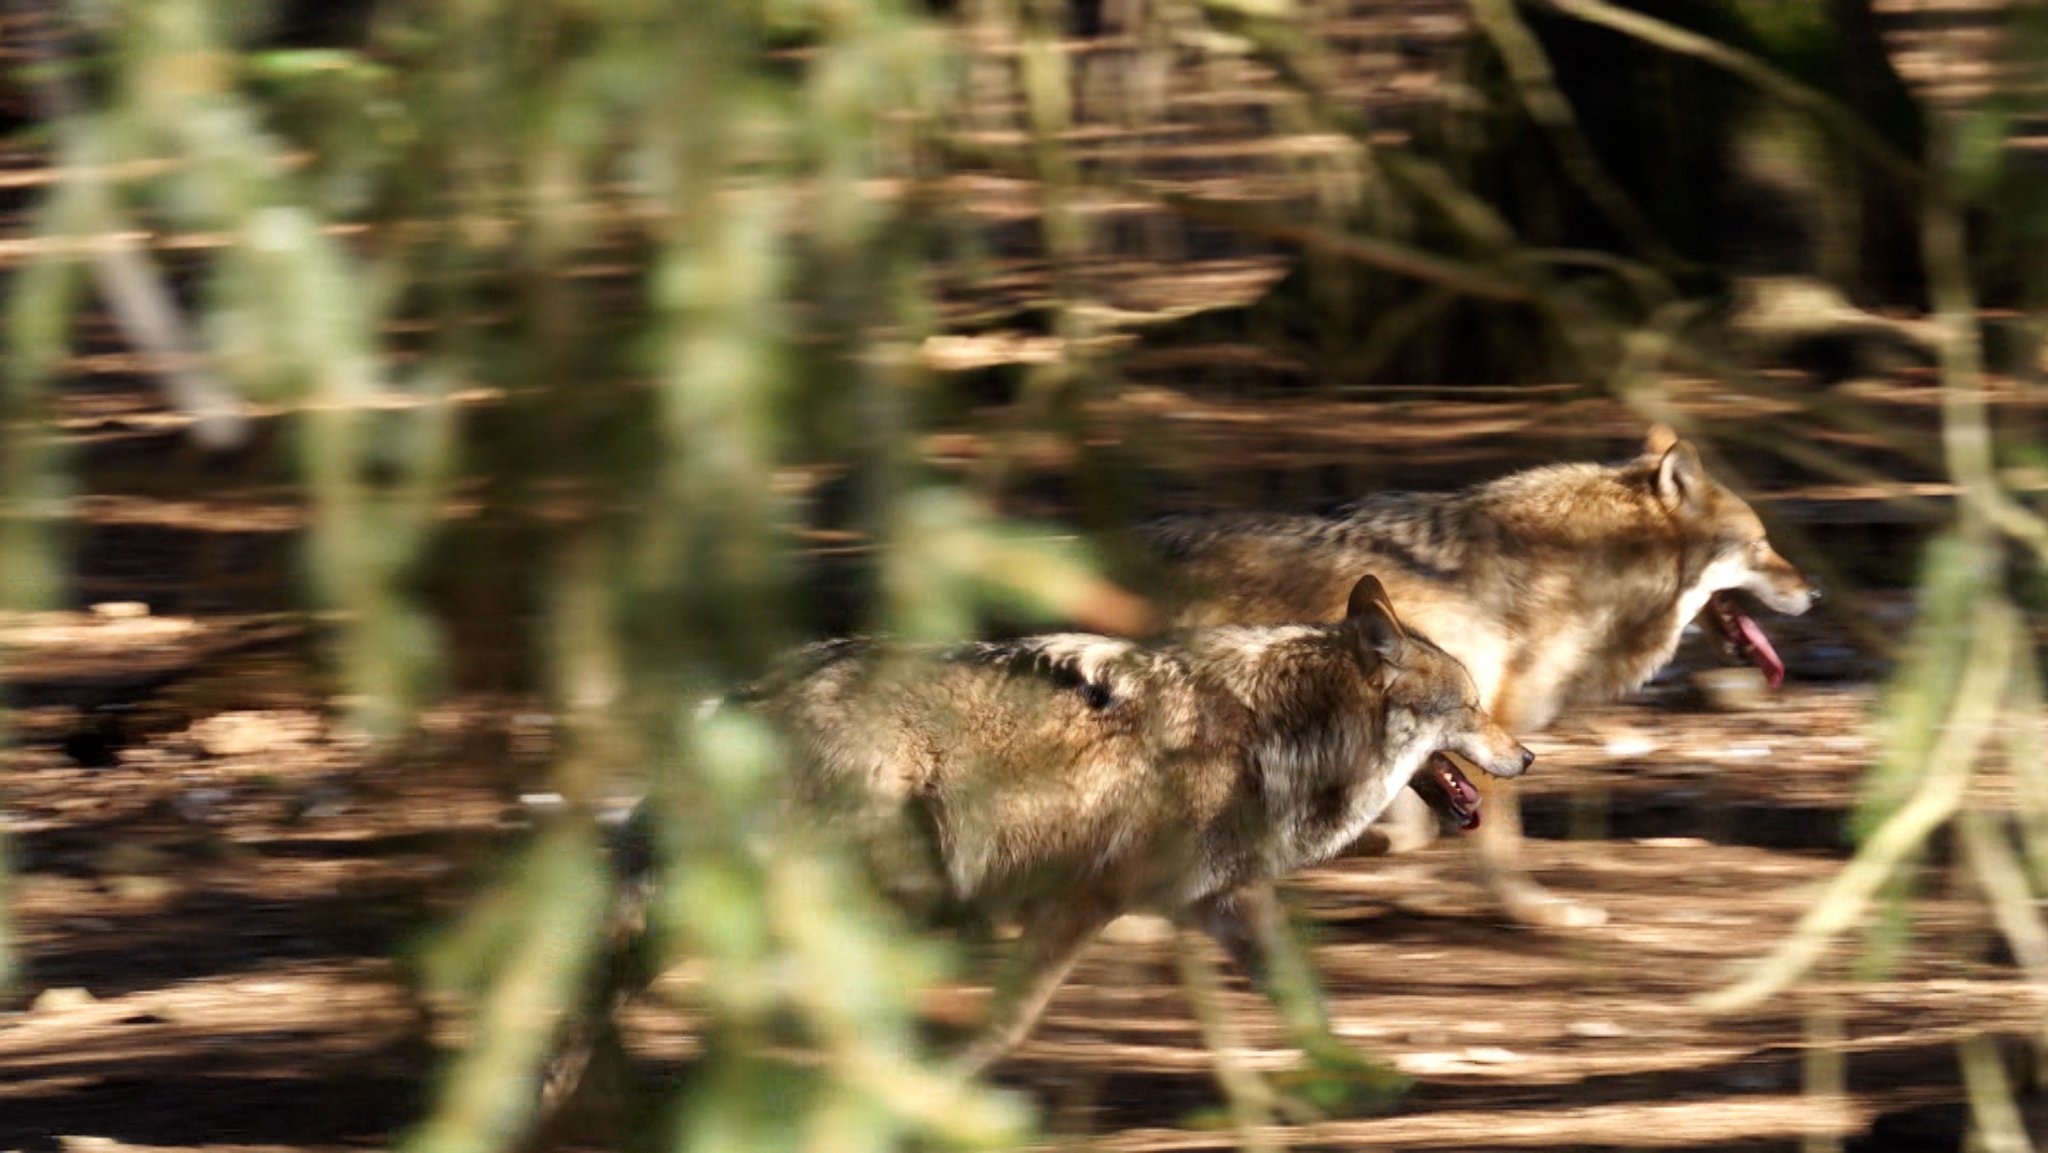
(1554, 586)
(1059, 782)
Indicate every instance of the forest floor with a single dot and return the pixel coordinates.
(215, 889)
(213, 883)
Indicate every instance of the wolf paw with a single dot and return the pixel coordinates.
(1560, 913)
(1333, 1080)
(1336, 1080)
(1528, 903)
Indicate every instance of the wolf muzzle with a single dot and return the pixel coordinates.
(1452, 794)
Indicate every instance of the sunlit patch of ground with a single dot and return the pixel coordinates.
(207, 922)
(213, 879)
(222, 875)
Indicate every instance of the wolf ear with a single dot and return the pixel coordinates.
(1660, 440)
(1681, 478)
(1372, 614)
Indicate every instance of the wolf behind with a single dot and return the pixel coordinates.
(1059, 782)
(1555, 586)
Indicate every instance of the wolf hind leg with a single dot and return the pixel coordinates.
(1251, 923)
(1052, 941)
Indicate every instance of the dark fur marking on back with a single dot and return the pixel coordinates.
(1425, 532)
(801, 665)
(1023, 658)
(1026, 658)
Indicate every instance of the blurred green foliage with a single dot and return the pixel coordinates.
(614, 264)
(407, 219)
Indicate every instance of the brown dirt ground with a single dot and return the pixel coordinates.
(210, 922)
(210, 900)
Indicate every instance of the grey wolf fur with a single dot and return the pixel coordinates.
(1062, 781)
(1554, 586)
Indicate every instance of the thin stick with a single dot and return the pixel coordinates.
(1998, 872)
(1976, 704)
(1999, 1123)
(1684, 42)
(1823, 1072)
(1535, 83)
(1251, 1100)
(128, 280)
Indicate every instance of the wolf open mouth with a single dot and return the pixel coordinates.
(1743, 639)
(1449, 791)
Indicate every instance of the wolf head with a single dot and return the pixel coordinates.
(1730, 553)
(1431, 703)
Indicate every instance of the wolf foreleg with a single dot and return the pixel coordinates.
(1052, 941)
(1252, 924)
(1504, 875)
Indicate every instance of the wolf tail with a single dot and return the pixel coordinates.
(587, 1035)
(629, 851)
(627, 826)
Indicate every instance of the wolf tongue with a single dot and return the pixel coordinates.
(1463, 797)
(1760, 651)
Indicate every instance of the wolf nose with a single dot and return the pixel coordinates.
(1528, 758)
(1813, 596)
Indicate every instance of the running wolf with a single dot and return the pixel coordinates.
(1554, 586)
(1058, 782)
